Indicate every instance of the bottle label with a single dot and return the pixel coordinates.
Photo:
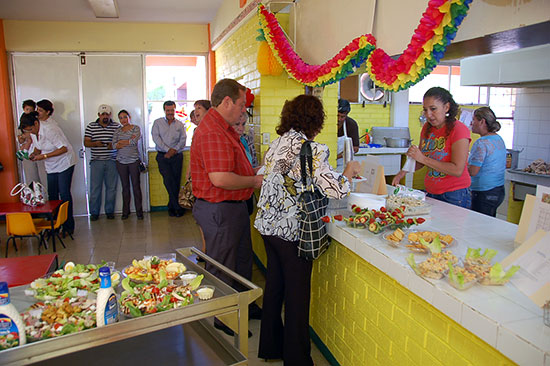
(9, 334)
(4, 298)
(111, 310)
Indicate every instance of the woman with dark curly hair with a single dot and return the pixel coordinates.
(443, 148)
(288, 278)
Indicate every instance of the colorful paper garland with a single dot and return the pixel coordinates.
(428, 44)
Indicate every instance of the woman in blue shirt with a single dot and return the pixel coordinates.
(487, 163)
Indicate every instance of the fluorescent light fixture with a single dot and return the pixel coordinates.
(104, 8)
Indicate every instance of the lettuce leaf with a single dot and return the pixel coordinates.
(498, 275)
(434, 246)
(196, 282)
(412, 263)
(456, 277)
(488, 254)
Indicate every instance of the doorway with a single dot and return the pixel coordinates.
(77, 84)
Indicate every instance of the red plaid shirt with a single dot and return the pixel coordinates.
(216, 148)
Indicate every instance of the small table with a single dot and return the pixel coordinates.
(20, 271)
(46, 210)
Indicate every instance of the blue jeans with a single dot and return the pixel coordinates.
(103, 172)
(460, 197)
(59, 187)
(487, 202)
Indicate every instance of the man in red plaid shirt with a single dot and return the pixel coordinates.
(223, 180)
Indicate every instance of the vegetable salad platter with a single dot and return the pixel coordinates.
(71, 281)
(412, 206)
(55, 318)
(378, 220)
(153, 270)
(140, 299)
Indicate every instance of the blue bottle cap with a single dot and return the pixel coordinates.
(104, 271)
(4, 288)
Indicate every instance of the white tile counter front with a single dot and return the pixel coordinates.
(500, 315)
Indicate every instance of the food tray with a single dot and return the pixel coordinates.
(413, 207)
(425, 249)
(395, 244)
(431, 274)
(465, 286)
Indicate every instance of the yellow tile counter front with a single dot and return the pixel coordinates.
(369, 308)
(365, 317)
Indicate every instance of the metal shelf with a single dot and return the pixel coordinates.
(227, 304)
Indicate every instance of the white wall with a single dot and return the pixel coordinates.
(532, 125)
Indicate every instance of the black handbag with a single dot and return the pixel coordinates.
(313, 238)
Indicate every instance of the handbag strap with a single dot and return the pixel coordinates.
(21, 187)
(306, 158)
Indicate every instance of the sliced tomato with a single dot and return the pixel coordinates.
(420, 220)
(325, 219)
(338, 217)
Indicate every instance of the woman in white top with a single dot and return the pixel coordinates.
(50, 144)
(44, 108)
(288, 279)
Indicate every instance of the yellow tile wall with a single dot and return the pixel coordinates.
(370, 115)
(365, 317)
(158, 197)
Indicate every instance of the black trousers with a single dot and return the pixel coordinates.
(170, 169)
(288, 282)
(131, 172)
(226, 229)
(59, 187)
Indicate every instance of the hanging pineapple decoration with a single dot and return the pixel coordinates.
(267, 63)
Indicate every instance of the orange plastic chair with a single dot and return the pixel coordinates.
(46, 226)
(20, 225)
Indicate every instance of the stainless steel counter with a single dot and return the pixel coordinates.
(228, 304)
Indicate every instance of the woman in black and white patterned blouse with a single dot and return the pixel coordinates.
(289, 277)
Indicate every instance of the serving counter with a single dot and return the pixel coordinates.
(228, 304)
(369, 307)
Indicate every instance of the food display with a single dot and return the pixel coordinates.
(413, 206)
(378, 220)
(420, 240)
(394, 238)
(538, 166)
(435, 266)
(488, 274)
(153, 270)
(71, 281)
(58, 317)
(140, 299)
(460, 278)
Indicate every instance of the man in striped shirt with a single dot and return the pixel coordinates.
(98, 137)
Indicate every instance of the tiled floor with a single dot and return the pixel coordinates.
(122, 241)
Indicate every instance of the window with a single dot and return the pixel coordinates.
(501, 100)
(181, 79)
(448, 77)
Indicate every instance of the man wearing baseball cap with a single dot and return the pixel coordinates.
(347, 127)
(99, 137)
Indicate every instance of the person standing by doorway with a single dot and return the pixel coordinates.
(169, 137)
(347, 128)
(99, 136)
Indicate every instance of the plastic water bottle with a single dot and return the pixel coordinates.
(401, 190)
(106, 305)
(12, 328)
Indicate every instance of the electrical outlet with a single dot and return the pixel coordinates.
(265, 138)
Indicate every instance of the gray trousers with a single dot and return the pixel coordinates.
(226, 228)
